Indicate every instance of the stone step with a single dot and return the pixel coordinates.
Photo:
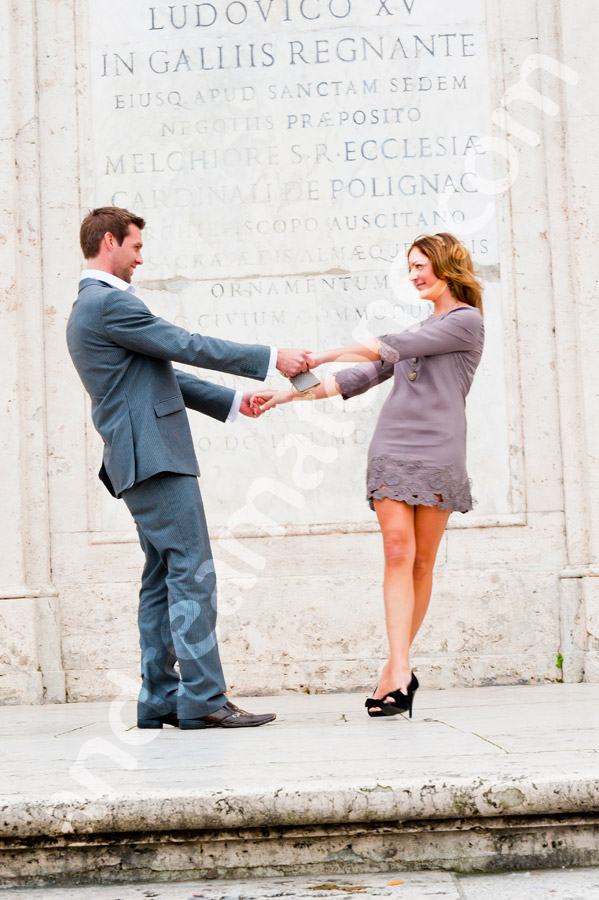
(481, 779)
(565, 884)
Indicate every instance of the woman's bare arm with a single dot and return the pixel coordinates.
(264, 400)
(368, 351)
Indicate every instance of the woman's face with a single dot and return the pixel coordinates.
(421, 271)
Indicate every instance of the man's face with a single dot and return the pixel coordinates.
(127, 256)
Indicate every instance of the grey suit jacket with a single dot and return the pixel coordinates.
(123, 355)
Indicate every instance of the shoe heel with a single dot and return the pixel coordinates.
(149, 723)
(410, 702)
(191, 724)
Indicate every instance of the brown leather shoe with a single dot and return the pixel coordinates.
(228, 716)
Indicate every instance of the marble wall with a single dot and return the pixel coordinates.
(284, 154)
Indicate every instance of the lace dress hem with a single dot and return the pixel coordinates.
(417, 484)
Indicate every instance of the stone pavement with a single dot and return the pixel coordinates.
(481, 779)
(554, 884)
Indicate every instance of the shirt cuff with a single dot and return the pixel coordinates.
(272, 365)
(234, 411)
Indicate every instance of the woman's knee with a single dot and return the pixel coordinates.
(423, 565)
(399, 549)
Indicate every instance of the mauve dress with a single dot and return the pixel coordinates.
(418, 450)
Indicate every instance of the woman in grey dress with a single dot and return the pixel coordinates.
(417, 457)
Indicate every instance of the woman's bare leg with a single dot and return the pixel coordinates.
(397, 526)
(429, 526)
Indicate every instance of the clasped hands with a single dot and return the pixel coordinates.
(289, 362)
(292, 362)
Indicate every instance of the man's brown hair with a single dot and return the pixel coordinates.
(104, 219)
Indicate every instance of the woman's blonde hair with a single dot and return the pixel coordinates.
(452, 262)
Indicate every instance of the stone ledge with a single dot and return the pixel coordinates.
(482, 779)
(306, 804)
(459, 845)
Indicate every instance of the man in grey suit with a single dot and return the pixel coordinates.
(123, 354)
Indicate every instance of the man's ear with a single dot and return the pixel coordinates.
(109, 240)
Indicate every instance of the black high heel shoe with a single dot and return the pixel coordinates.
(374, 707)
(401, 702)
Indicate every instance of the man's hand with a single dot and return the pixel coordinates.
(292, 362)
(251, 410)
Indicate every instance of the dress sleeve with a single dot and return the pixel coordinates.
(359, 379)
(458, 331)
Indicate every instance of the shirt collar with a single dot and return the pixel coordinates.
(108, 278)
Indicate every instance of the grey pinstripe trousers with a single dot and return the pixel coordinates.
(177, 600)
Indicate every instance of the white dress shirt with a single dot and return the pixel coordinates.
(115, 281)
(109, 278)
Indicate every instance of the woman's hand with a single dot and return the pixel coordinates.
(246, 408)
(261, 401)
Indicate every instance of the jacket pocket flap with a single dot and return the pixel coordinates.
(171, 405)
